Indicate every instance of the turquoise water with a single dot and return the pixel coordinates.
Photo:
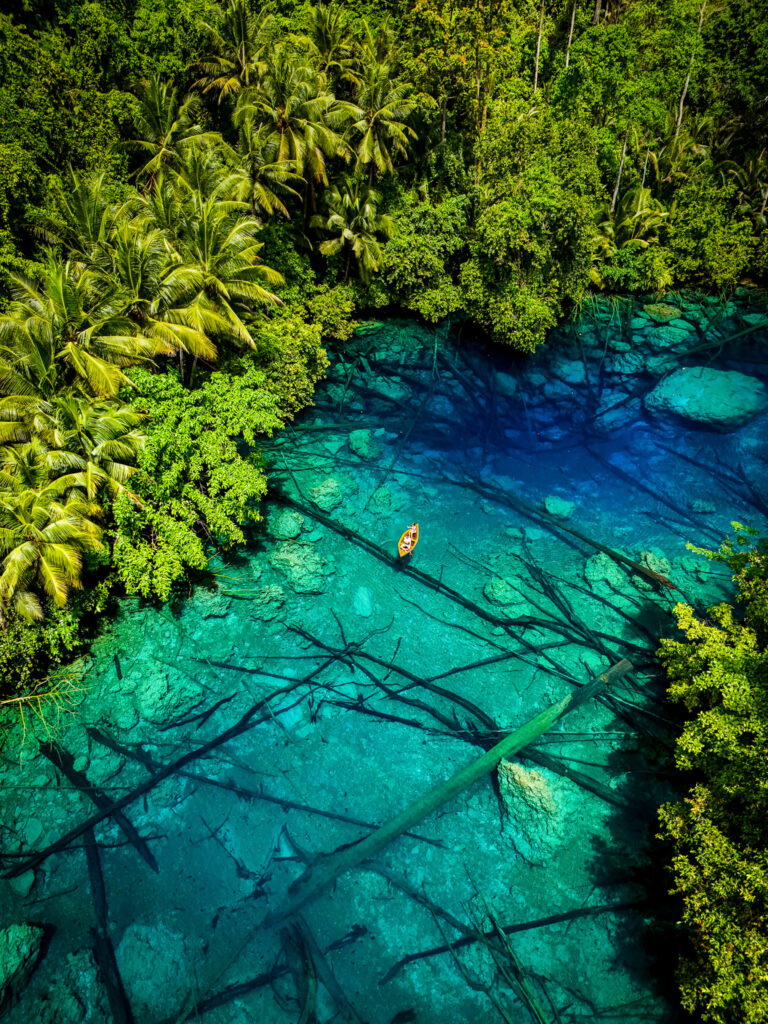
(317, 685)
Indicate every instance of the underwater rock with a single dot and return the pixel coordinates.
(163, 694)
(499, 592)
(625, 363)
(572, 371)
(615, 411)
(152, 961)
(506, 385)
(267, 602)
(601, 568)
(302, 566)
(19, 951)
(662, 312)
(719, 398)
(676, 337)
(77, 996)
(364, 444)
(559, 507)
(363, 602)
(662, 364)
(532, 820)
(22, 884)
(654, 560)
(287, 525)
(212, 604)
(329, 494)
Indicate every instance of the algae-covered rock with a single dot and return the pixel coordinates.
(724, 399)
(19, 951)
(303, 567)
(506, 385)
(364, 444)
(654, 560)
(559, 507)
(153, 965)
(702, 507)
(267, 602)
(601, 568)
(331, 492)
(77, 996)
(676, 337)
(212, 604)
(287, 525)
(662, 312)
(499, 592)
(532, 820)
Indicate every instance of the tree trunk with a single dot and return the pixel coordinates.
(324, 871)
(681, 108)
(443, 119)
(348, 265)
(621, 168)
(538, 50)
(570, 35)
(598, 8)
(645, 166)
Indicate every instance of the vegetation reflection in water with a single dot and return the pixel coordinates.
(317, 685)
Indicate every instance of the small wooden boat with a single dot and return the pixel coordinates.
(402, 546)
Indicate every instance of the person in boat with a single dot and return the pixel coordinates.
(409, 539)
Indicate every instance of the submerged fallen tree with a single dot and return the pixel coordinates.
(324, 871)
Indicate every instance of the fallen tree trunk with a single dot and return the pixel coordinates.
(324, 872)
(65, 763)
(245, 722)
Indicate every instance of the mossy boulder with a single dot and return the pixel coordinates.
(532, 818)
(501, 593)
(724, 399)
(601, 568)
(331, 492)
(286, 525)
(662, 312)
(676, 337)
(19, 952)
(364, 444)
(558, 507)
(305, 570)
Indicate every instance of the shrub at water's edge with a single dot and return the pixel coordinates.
(719, 832)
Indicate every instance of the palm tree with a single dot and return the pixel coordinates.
(331, 42)
(354, 219)
(70, 434)
(72, 326)
(238, 41)
(83, 217)
(266, 175)
(220, 256)
(379, 120)
(165, 127)
(301, 114)
(45, 529)
(98, 440)
(153, 284)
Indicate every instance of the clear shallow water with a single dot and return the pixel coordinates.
(367, 683)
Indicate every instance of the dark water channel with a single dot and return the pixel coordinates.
(317, 685)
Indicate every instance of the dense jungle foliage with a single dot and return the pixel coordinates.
(719, 833)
